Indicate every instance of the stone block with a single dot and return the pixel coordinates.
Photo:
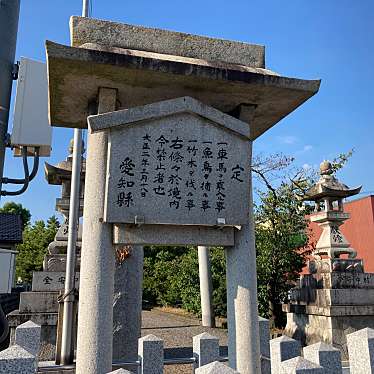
(28, 337)
(264, 329)
(89, 30)
(205, 349)
(50, 281)
(151, 354)
(38, 302)
(17, 360)
(57, 263)
(215, 368)
(282, 349)
(361, 351)
(324, 355)
(300, 365)
(120, 371)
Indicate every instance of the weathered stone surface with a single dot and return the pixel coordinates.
(215, 368)
(282, 349)
(151, 353)
(338, 280)
(120, 371)
(144, 77)
(16, 360)
(173, 235)
(57, 262)
(28, 337)
(39, 302)
(336, 297)
(191, 168)
(205, 349)
(264, 328)
(361, 351)
(112, 34)
(299, 365)
(324, 355)
(127, 306)
(50, 281)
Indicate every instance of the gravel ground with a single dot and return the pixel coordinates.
(177, 332)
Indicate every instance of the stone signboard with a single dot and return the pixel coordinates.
(187, 167)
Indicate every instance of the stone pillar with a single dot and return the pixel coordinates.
(324, 355)
(264, 327)
(95, 320)
(206, 287)
(282, 349)
(151, 354)
(242, 315)
(215, 368)
(361, 351)
(127, 305)
(16, 360)
(28, 337)
(205, 349)
(300, 365)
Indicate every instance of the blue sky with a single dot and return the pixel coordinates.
(331, 40)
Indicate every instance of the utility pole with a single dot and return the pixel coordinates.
(67, 343)
(9, 15)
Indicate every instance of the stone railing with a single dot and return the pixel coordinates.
(282, 355)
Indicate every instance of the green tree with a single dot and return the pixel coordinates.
(12, 207)
(36, 238)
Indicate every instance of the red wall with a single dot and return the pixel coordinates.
(358, 230)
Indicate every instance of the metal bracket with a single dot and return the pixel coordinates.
(15, 70)
(139, 220)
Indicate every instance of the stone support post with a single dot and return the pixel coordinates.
(361, 351)
(282, 349)
(206, 287)
(205, 349)
(95, 321)
(215, 368)
(151, 354)
(242, 315)
(324, 355)
(264, 345)
(28, 337)
(300, 365)
(127, 305)
(16, 360)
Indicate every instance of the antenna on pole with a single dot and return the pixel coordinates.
(69, 297)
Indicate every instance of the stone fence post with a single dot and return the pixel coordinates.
(16, 360)
(282, 349)
(28, 337)
(264, 328)
(326, 356)
(361, 351)
(299, 365)
(151, 354)
(205, 349)
(215, 368)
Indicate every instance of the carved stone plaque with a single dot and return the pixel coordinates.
(181, 169)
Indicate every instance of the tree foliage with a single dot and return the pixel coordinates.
(36, 238)
(12, 207)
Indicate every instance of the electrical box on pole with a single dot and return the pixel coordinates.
(30, 121)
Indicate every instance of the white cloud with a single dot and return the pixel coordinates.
(307, 148)
(288, 139)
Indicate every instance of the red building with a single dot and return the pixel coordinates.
(358, 230)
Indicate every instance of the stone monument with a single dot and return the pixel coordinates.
(337, 297)
(40, 305)
(153, 172)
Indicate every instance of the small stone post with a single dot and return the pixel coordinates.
(242, 315)
(206, 287)
(205, 349)
(324, 355)
(120, 371)
(28, 337)
(282, 349)
(300, 365)
(215, 368)
(16, 360)
(361, 351)
(264, 327)
(151, 354)
(95, 320)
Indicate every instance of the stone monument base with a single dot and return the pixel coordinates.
(328, 306)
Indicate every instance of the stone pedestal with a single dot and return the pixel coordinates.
(328, 306)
